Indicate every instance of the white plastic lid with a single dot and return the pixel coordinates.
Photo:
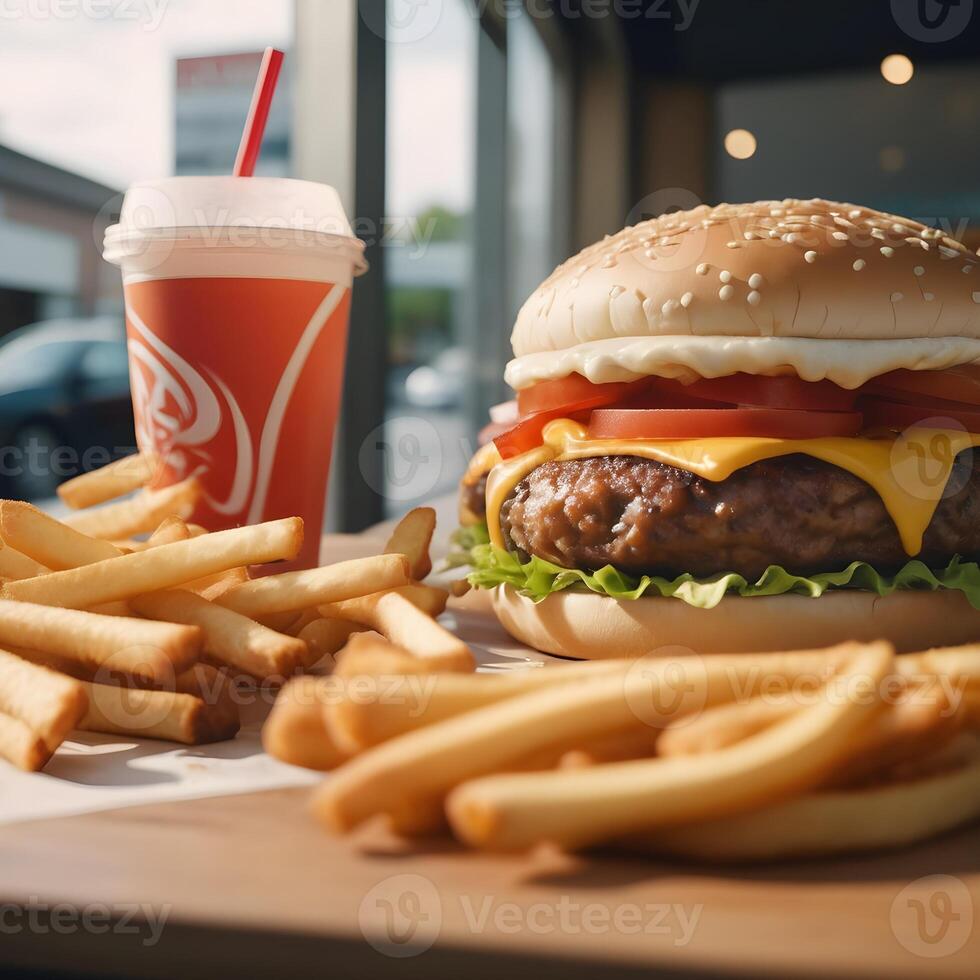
(213, 206)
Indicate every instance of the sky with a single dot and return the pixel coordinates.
(94, 93)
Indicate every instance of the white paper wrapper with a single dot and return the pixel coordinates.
(103, 772)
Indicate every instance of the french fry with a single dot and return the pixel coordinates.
(971, 709)
(412, 538)
(167, 715)
(50, 704)
(15, 565)
(408, 627)
(577, 808)
(48, 541)
(170, 529)
(419, 818)
(21, 746)
(957, 662)
(211, 586)
(229, 637)
(429, 762)
(303, 620)
(829, 822)
(324, 637)
(366, 654)
(216, 689)
(154, 651)
(111, 481)
(431, 600)
(358, 723)
(723, 725)
(283, 622)
(126, 546)
(160, 568)
(911, 727)
(617, 747)
(295, 732)
(137, 515)
(201, 680)
(300, 590)
(459, 588)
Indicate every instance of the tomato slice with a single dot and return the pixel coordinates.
(783, 391)
(491, 431)
(574, 392)
(526, 435)
(899, 415)
(694, 423)
(956, 384)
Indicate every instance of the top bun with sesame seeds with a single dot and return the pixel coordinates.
(822, 289)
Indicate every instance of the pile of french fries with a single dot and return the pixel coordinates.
(103, 631)
(726, 757)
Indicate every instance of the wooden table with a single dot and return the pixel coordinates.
(251, 886)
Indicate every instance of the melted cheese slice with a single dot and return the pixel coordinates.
(484, 460)
(909, 472)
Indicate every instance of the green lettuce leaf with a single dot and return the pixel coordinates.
(538, 578)
(463, 542)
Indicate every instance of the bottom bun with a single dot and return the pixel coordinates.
(589, 626)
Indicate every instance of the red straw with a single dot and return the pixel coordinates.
(258, 113)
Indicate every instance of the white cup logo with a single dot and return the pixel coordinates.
(179, 413)
(401, 916)
(933, 916)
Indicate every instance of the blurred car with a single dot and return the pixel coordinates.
(442, 383)
(64, 402)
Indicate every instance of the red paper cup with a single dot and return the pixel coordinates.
(237, 308)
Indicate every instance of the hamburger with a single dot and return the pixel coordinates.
(746, 427)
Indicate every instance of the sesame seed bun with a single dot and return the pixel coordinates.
(694, 293)
(590, 626)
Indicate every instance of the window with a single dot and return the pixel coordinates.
(431, 135)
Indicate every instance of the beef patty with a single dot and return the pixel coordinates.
(796, 511)
(474, 496)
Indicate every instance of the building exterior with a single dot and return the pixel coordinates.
(51, 227)
(212, 99)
